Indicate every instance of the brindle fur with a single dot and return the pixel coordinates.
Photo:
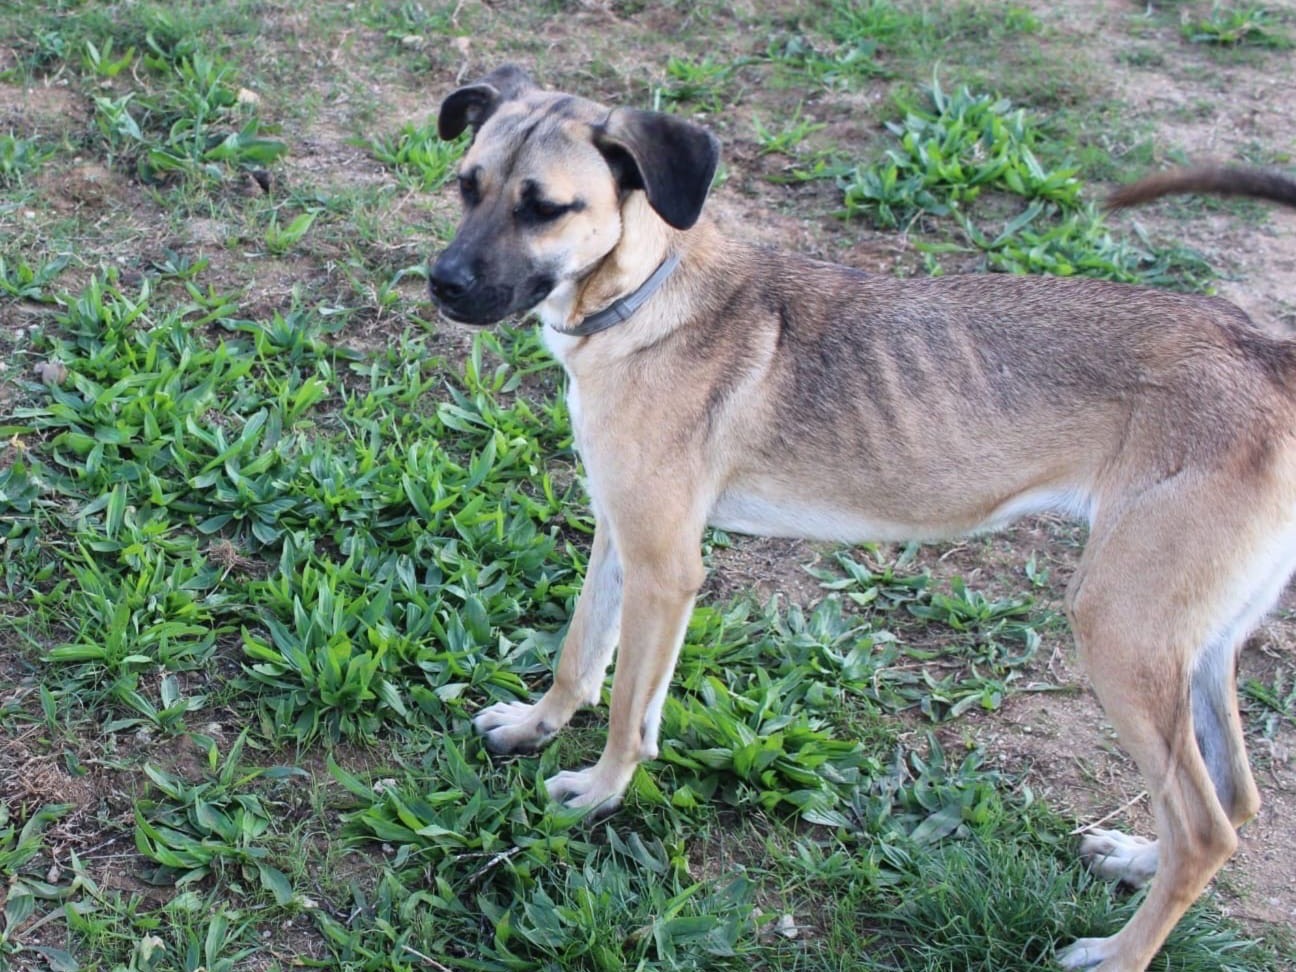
(765, 392)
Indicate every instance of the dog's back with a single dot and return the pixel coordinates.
(946, 404)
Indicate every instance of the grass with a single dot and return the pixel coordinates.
(20, 157)
(419, 156)
(1238, 27)
(705, 83)
(999, 928)
(1273, 703)
(849, 43)
(269, 537)
(968, 146)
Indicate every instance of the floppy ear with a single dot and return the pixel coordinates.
(670, 159)
(474, 103)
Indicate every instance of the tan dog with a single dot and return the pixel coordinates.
(712, 381)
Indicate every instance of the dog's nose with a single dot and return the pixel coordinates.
(450, 280)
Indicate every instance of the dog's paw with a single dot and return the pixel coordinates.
(598, 788)
(1120, 857)
(1086, 953)
(515, 727)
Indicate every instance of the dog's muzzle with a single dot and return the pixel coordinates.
(461, 294)
(454, 289)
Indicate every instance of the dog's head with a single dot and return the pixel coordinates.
(543, 184)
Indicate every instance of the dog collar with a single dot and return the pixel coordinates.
(623, 308)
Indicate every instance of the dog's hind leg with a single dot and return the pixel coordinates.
(591, 638)
(1163, 576)
(1217, 727)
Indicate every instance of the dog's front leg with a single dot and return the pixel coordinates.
(511, 727)
(660, 585)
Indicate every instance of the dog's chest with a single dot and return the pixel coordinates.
(768, 514)
(575, 414)
(769, 508)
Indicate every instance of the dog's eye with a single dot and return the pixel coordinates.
(532, 210)
(469, 190)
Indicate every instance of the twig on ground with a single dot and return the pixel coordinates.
(1115, 813)
(433, 963)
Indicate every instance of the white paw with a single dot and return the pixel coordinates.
(1085, 953)
(598, 788)
(1120, 857)
(514, 727)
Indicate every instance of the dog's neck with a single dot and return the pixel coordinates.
(646, 243)
(624, 308)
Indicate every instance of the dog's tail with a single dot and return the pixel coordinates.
(1220, 180)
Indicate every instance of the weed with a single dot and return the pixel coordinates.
(189, 932)
(788, 140)
(1275, 703)
(1238, 27)
(25, 892)
(22, 281)
(180, 266)
(195, 125)
(196, 830)
(18, 848)
(704, 82)
(101, 63)
(411, 23)
(125, 627)
(19, 157)
(599, 898)
(420, 158)
(948, 157)
(279, 240)
(970, 145)
(992, 640)
(1143, 57)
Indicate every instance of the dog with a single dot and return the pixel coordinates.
(711, 381)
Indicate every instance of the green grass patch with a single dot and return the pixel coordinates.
(419, 157)
(969, 149)
(882, 39)
(20, 157)
(1238, 27)
(985, 899)
(165, 106)
(195, 124)
(220, 518)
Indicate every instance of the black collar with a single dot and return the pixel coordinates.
(623, 308)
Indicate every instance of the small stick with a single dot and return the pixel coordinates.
(430, 961)
(495, 861)
(1102, 820)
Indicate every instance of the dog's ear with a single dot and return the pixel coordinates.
(670, 159)
(474, 103)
